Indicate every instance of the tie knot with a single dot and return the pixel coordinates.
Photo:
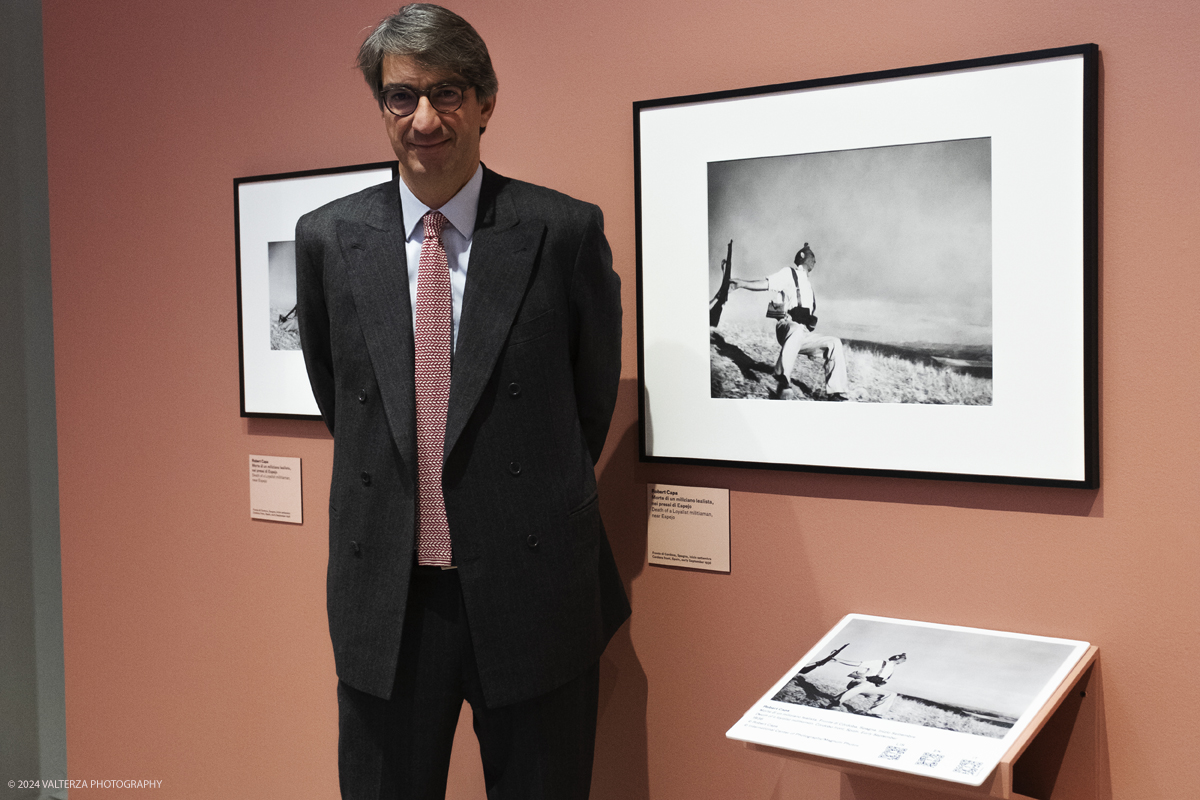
(434, 222)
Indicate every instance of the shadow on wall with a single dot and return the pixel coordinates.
(622, 769)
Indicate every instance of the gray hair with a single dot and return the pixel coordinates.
(437, 39)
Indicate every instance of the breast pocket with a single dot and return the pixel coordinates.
(531, 329)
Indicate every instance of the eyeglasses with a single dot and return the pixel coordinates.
(403, 100)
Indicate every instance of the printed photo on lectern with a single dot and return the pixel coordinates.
(936, 700)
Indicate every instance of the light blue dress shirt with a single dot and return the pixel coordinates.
(460, 211)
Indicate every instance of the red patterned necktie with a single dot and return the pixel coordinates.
(433, 339)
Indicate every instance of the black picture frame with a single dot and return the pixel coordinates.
(273, 382)
(953, 212)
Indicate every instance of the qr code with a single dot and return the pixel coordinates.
(892, 753)
(930, 759)
(968, 767)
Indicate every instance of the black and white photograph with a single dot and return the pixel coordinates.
(888, 274)
(942, 701)
(273, 380)
(281, 268)
(955, 680)
(854, 275)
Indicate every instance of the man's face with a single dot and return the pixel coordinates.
(438, 151)
(809, 263)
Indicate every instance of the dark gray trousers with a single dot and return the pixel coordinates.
(399, 749)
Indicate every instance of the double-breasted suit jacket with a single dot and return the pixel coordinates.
(533, 385)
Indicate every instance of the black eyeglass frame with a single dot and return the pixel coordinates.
(462, 94)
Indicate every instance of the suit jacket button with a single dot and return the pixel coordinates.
(514, 389)
(532, 541)
(362, 396)
(514, 467)
(366, 479)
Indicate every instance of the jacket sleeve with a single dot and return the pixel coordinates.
(595, 309)
(313, 316)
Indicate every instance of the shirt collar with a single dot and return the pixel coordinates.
(459, 210)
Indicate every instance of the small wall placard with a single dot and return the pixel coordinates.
(688, 526)
(275, 489)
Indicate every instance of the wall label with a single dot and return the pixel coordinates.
(275, 489)
(688, 526)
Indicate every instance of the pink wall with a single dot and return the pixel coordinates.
(196, 649)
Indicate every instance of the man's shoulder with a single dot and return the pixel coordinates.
(787, 273)
(356, 207)
(534, 201)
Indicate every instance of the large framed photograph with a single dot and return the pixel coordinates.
(274, 382)
(891, 273)
(940, 701)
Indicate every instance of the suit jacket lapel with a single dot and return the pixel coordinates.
(503, 250)
(378, 270)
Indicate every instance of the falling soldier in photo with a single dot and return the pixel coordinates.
(870, 676)
(793, 305)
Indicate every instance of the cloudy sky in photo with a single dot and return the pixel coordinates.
(902, 236)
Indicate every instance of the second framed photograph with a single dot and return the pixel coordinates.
(890, 273)
(274, 382)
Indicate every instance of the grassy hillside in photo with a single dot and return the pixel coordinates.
(820, 688)
(743, 360)
(285, 330)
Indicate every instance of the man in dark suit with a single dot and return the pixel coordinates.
(462, 335)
